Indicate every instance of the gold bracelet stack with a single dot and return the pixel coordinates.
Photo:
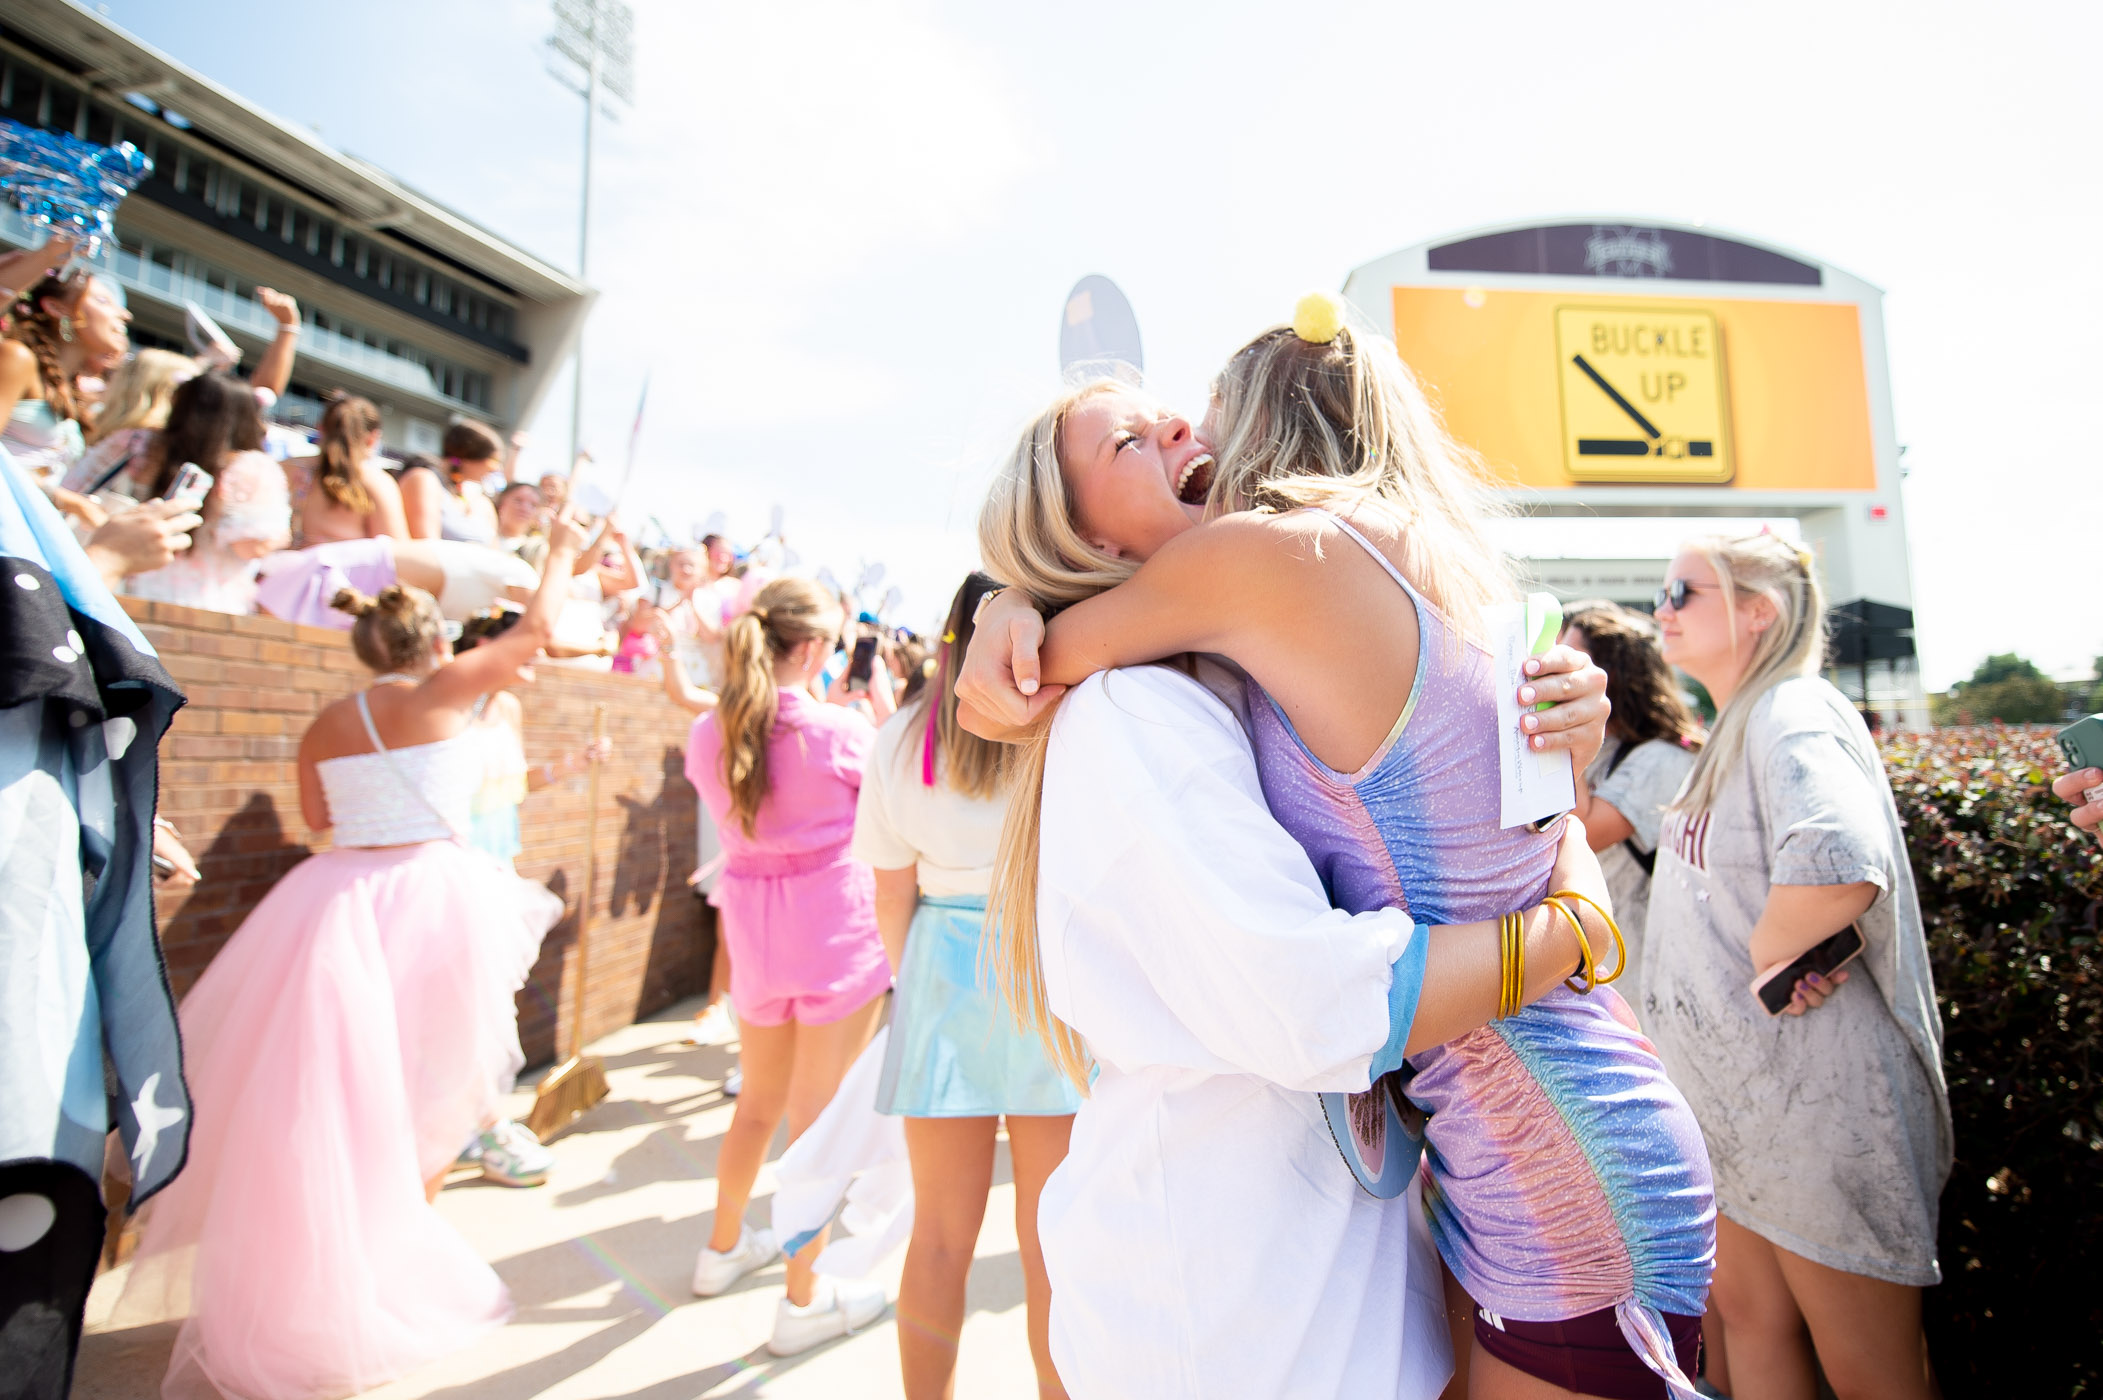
(1620, 944)
(1511, 948)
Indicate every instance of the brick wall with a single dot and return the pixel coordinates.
(229, 782)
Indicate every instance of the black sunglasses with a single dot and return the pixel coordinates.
(1676, 593)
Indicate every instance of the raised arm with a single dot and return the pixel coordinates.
(495, 663)
(677, 688)
(274, 370)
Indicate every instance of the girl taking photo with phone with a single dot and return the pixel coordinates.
(1828, 1123)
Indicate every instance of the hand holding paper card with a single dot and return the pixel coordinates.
(1534, 785)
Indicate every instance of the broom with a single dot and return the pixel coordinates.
(579, 1081)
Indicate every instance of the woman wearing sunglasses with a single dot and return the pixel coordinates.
(1829, 1134)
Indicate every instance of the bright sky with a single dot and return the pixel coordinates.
(839, 233)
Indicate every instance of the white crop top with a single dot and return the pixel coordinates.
(393, 797)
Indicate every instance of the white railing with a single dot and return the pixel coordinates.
(139, 274)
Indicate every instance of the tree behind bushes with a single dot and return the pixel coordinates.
(2005, 689)
(2011, 895)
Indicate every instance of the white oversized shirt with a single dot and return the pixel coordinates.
(1203, 1236)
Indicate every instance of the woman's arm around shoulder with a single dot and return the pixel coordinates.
(1202, 591)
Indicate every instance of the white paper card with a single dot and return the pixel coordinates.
(1535, 785)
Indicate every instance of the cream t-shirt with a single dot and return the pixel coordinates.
(901, 821)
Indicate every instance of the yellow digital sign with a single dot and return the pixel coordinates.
(1643, 394)
(1560, 390)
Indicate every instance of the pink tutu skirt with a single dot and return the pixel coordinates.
(342, 1047)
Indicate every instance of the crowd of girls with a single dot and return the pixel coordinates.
(1209, 781)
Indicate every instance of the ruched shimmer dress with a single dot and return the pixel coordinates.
(1565, 1174)
(340, 1048)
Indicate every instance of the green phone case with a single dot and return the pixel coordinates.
(1544, 623)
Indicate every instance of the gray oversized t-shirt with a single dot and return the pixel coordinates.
(1829, 1132)
(1638, 788)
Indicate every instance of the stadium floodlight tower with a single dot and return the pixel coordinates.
(1613, 367)
(597, 38)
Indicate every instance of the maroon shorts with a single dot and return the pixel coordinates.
(1587, 1354)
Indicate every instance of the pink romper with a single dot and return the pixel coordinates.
(799, 915)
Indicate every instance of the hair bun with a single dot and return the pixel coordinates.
(1319, 318)
(350, 600)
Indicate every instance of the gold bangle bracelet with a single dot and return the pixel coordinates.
(1620, 944)
(1587, 964)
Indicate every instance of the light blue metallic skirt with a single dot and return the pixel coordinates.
(955, 1052)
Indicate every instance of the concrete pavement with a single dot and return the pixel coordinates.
(599, 1261)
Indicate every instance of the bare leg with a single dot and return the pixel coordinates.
(768, 1055)
(1460, 1326)
(1715, 1361)
(952, 1171)
(1761, 1318)
(1036, 1146)
(435, 1185)
(822, 1055)
(1867, 1332)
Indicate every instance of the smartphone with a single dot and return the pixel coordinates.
(1776, 988)
(863, 665)
(2082, 743)
(192, 484)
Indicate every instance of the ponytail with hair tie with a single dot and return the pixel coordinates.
(787, 613)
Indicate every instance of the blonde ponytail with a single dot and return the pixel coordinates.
(1757, 566)
(787, 613)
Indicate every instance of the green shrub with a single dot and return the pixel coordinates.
(2011, 894)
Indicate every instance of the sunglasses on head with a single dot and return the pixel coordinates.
(1676, 593)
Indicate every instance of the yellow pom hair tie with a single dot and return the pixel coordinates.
(1319, 318)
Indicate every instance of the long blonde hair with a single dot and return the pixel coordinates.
(1344, 425)
(786, 613)
(140, 391)
(1757, 566)
(1028, 540)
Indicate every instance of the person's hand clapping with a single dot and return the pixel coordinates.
(1566, 676)
(998, 687)
(142, 539)
(2074, 787)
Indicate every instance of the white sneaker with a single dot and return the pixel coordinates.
(714, 1272)
(734, 1083)
(715, 1026)
(838, 1306)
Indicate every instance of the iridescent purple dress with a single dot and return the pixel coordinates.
(1565, 1173)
